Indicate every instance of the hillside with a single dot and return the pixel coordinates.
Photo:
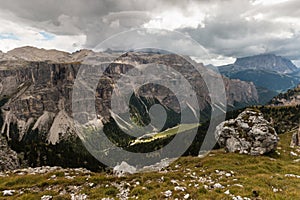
(289, 98)
(266, 79)
(219, 175)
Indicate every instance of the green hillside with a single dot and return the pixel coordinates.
(216, 176)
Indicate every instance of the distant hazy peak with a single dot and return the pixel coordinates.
(267, 62)
(35, 54)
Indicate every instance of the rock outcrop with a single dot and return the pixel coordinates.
(123, 169)
(249, 134)
(295, 139)
(8, 158)
(288, 98)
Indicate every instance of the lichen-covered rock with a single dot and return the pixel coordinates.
(249, 134)
(124, 168)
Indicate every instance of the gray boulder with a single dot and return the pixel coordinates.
(123, 169)
(249, 134)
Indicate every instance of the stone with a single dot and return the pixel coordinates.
(168, 193)
(218, 186)
(292, 175)
(46, 197)
(228, 174)
(179, 188)
(8, 192)
(227, 192)
(237, 198)
(238, 185)
(293, 153)
(78, 196)
(248, 134)
(295, 139)
(124, 168)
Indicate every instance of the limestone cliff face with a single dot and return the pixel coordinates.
(38, 94)
(238, 91)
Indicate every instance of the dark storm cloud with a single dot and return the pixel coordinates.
(97, 19)
(236, 37)
(248, 30)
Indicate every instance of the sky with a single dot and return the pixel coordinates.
(227, 29)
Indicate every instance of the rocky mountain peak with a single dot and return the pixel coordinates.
(269, 62)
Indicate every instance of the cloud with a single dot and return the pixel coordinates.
(226, 28)
(8, 36)
(15, 34)
(47, 36)
(248, 28)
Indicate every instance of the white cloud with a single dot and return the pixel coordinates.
(27, 35)
(216, 60)
(174, 19)
(268, 2)
(227, 28)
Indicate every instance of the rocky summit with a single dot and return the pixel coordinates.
(249, 134)
(267, 62)
(271, 74)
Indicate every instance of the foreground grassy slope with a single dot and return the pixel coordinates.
(262, 177)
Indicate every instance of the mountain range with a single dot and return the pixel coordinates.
(36, 88)
(36, 100)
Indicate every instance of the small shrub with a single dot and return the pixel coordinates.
(137, 191)
(202, 190)
(111, 191)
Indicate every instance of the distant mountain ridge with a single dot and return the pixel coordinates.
(274, 73)
(268, 62)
